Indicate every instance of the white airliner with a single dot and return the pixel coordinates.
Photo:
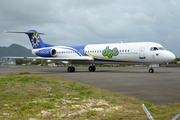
(112, 53)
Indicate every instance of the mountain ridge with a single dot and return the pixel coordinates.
(15, 50)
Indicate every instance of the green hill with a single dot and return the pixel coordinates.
(15, 50)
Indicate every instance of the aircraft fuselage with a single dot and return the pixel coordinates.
(118, 53)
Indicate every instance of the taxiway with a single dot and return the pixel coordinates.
(160, 87)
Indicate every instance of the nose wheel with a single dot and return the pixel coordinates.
(151, 70)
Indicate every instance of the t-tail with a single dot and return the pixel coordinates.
(34, 38)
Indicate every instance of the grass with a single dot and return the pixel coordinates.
(25, 95)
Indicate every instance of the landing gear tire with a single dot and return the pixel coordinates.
(71, 69)
(151, 70)
(92, 68)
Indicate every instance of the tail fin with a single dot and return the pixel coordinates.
(35, 39)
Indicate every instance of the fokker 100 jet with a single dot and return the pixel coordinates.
(112, 53)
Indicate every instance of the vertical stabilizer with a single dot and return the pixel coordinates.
(35, 39)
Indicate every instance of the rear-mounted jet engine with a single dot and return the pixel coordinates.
(46, 52)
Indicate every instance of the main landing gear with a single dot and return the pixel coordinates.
(71, 69)
(92, 68)
(151, 70)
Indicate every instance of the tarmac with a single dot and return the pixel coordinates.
(160, 87)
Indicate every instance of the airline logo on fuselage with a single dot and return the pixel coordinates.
(110, 53)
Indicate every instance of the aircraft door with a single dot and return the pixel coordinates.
(142, 53)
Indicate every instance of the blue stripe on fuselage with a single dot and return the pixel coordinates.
(79, 49)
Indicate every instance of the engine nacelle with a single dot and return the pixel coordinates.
(46, 52)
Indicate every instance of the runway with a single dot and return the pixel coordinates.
(160, 87)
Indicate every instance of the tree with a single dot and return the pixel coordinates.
(19, 61)
(175, 61)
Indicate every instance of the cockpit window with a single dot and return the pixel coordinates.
(154, 48)
(157, 48)
(161, 48)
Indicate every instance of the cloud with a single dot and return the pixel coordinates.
(70, 22)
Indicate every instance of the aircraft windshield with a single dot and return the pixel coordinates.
(161, 48)
(154, 48)
(157, 48)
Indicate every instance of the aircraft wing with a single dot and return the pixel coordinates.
(85, 58)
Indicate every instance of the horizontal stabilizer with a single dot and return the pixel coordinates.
(23, 32)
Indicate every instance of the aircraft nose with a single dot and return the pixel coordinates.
(171, 57)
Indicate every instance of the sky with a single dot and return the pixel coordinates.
(80, 22)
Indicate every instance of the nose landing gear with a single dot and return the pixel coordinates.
(151, 70)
